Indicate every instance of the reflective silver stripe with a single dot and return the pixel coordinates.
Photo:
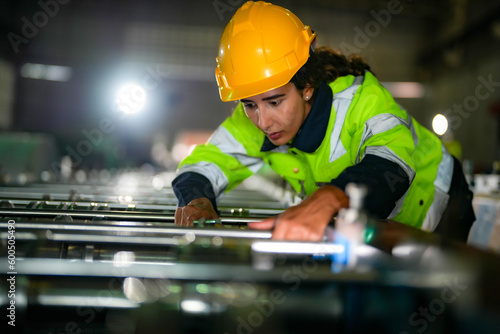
(412, 129)
(436, 210)
(211, 171)
(409, 121)
(445, 171)
(378, 124)
(386, 153)
(399, 205)
(341, 102)
(226, 142)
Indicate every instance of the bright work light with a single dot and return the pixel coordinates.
(131, 98)
(439, 124)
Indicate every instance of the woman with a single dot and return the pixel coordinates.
(322, 121)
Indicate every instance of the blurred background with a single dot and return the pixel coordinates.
(114, 84)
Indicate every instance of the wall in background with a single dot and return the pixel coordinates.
(7, 84)
(171, 47)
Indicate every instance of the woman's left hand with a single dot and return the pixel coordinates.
(306, 221)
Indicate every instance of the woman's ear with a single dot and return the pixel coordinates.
(308, 92)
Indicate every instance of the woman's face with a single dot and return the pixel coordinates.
(280, 112)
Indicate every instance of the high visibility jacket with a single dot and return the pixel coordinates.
(363, 120)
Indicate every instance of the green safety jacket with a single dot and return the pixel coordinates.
(364, 119)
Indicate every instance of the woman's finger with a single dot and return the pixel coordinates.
(266, 224)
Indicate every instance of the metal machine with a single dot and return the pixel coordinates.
(106, 257)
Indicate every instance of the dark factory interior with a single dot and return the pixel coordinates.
(102, 102)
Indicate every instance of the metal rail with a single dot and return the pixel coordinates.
(136, 230)
(96, 215)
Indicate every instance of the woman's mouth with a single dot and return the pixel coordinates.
(275, 135)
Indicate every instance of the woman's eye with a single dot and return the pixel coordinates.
(248, 105)
(274, 103)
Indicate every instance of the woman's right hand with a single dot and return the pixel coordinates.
(195, 210)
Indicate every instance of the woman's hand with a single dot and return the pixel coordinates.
(195, 210)
(306, 221)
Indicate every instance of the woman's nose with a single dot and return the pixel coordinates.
(265, 118)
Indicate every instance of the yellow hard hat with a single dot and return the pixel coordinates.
(261, 48)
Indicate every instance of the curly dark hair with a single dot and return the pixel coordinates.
(326, 65)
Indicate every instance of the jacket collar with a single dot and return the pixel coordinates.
(313, 130)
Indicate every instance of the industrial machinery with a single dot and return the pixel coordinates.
(106, 257)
